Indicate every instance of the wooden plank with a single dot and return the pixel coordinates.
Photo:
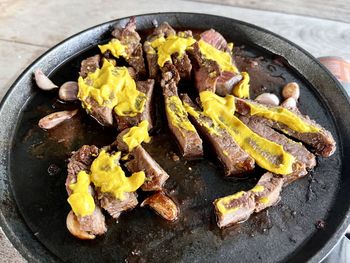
(337, 9)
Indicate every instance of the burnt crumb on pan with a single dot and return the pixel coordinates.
(320, 224)
(53, 169)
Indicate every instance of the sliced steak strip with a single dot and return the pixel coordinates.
(130, 38)
(163, 205)
(115, 206)
(188, 140)
(81, 160)
(238, 207)
(215, 39)
(305, 159)
(124, 122)
(226, 82)
(142, 161)
(182, 63)
(234, 159)
(322, 141)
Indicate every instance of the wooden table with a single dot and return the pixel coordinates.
(29, 28)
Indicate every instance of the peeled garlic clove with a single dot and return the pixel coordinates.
(52, 120)
(43, 81)
(289, 103)
(68, 91)
(74, 227)
(291, 90)
(268, 99)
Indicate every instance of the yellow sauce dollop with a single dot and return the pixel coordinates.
(177, 114)
(136, 135)
(282, 115)
(110, 178)
(241, 90)
(224, 59)
(265, 152)
(223, 203)
(112, 87)
(81, 200)
(258, 189)
(168, 46)
(115, 47)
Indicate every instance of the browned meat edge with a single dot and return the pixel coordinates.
(251, 201)
(322, 142)
(142, 161)
(234, 159)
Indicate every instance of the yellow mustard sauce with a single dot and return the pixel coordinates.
(115, 47)
(241, 90)
(209, 126)
(136, 135)
(112, 87)
(166, 47)
(224, 59)
(223, 203)
(282, 115)
(265, 152)
(110, 178)
(81, 200)
(258, 189)
(264, 200)
(177, 114)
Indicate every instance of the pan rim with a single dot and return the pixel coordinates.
(11, 235)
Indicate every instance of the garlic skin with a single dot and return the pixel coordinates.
(69, 91)
(268, 99)
(291, 90)
(52, 120)
(42, 81)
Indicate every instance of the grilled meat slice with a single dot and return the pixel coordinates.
(81, 160)
(124, 122)
(267, 191)
(188, 140)
(234, 209)
(182, 63)
(89, 65)
(215, 39)
(305, 159)
(226, 82)
(162, 205)
(115, 206)
(234, 159)
(142, 161)
(238, 207)
(321, 141)
(103, 115)
(131, 39)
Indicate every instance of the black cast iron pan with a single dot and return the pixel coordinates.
(32, 165)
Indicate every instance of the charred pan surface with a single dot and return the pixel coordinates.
(142, 161)
(305, 159)
(130, 38)
(234, 159)
(123, 122)
(163, 205)
(188, 140)
(322, 141)
(237, 208)
(81, 160)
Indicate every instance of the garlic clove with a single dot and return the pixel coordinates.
(42, 81)
(289, 103)
(52, 120)
(268, 99)
(69, 91)
(291, 90)
(74, 227)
